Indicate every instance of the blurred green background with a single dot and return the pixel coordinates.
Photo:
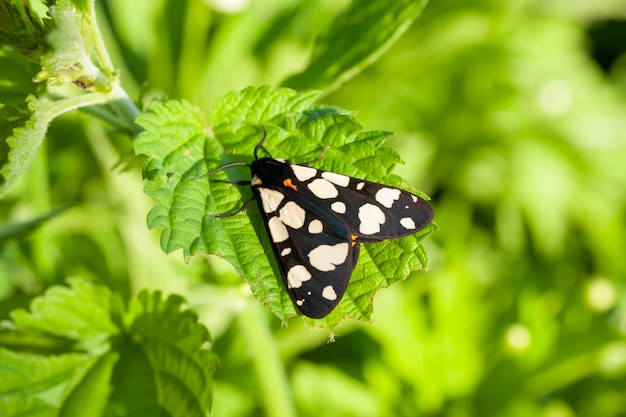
(510, 114)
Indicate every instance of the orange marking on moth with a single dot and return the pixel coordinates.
(354, 237)
(289, 184)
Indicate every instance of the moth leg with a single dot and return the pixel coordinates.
(320, 156)
(218, 169)
(240, 182)
(239, 210)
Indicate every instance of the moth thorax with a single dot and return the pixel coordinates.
(256, 180)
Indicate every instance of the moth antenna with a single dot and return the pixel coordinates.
(320, 156)
(218, 169)
(240, 182)
(239, 210)
(260, 144)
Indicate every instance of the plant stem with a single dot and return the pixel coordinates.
(117, 99)
(103, 54)
(275, 390)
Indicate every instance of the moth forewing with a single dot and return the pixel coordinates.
(315, 252)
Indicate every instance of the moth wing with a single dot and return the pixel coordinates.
(373, 212)
(314, 250)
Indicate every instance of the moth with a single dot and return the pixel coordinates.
(316, 221)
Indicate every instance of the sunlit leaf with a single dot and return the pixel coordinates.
(19, 149)
(150, 358)
(180, 149)
(358, 36)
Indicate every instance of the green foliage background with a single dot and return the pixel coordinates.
(502, 117)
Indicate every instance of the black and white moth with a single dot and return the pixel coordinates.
(317, 220)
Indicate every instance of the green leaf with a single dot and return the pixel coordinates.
(28, 382)
(146, 360)
(28, 129)
(358, 36)
(18, 150)
(176, 142)
(91, 395)
(11, 117)
(81, 312)
(16, 79)
(164, 367)
(23, 27)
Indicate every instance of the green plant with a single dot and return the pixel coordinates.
(508, 114)
(124, 344)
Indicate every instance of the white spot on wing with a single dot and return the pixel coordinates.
(297, 275)
(338, 207)
(278, 231)
(326, 257)
(414, 197)
(300, 302)
(270, 199)
(316, 227)
(407, 223)
(292, 215)
(386, 196)
(360, 186)
(371, 218)
(323, 188)
(303, 173)
(256, 181)
(329, 293)
(285, 252)
(337, 179)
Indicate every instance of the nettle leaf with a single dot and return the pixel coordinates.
(165, 369)
(18, 149)
(16, 79)
(25, 379)
(148, 360)
(23, 27)
(357, 37)
(182, 146)
(81, 312)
